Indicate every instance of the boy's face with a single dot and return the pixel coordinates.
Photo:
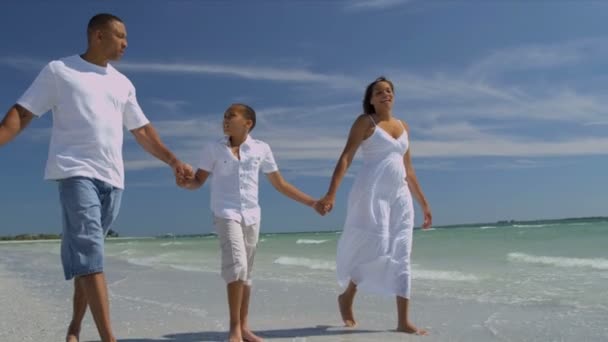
(235, 123)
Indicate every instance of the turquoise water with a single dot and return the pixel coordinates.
(546, 279)
(552, 263)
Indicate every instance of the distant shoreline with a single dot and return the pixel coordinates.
(502, 223)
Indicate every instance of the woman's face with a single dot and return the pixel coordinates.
(382, 96)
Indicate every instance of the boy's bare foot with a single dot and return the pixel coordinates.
(71, 338)
(72, 335)
(249, 336)
(346, 311)
(409, 328)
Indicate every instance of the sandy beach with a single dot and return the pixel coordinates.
(171, 305)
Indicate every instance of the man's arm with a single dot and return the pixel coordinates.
(15, 120)
(149, 139)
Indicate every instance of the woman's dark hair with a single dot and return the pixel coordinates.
(368, 108)
(248, 113)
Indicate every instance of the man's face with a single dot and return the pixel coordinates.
(113, 40)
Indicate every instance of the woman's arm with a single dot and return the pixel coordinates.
(414, 186)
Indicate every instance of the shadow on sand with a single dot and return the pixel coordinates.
(213, 336)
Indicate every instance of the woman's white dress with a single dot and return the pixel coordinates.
(375, 246)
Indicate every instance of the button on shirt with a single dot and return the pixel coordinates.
(234, 183)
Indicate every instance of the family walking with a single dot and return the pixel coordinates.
(91, 102)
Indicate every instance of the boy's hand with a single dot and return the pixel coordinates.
(182, 170)
(324, 205)
(184, 179)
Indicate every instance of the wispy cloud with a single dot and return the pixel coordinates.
(561, 105)
(445, 109)
(290, 75)
(516, 164)
(448, 87)
(596, 123)
(170, 106)
(22, 63)
(539, 56)
(247, 72)
(511, 147)
(143, 164)
(373, 4)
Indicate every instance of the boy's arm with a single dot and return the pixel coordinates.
(284, 187)
(15, 120)
(192, 184)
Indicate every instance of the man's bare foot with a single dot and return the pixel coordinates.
(346, 310)
(249, 336)
(409, 328)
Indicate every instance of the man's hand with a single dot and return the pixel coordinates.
(183, 172)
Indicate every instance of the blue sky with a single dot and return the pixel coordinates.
(507, 102)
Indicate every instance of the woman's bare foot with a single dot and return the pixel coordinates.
(235, 336)
(409, 328)
(346, 310)
(249, 336)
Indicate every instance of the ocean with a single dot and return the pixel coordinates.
(516, 282)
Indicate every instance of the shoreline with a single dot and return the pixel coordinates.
(498, 224)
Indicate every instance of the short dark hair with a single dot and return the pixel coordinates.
(248, 113)
(101, 20)
(368, 108)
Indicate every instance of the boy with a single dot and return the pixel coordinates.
(235, 162)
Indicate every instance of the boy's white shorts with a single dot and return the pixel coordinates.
(238, 243)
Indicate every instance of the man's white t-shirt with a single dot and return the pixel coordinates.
(90, 106)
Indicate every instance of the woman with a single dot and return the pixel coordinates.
(375, 245)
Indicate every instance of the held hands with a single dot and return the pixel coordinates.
(324, 205)
(184, 173)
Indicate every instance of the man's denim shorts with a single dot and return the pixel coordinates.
(89, 206)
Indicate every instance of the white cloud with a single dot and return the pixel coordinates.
(560, 105)
(511, 147)
(247, 72)
(444, 109)
(539, 56)
(374, 4)
(291, 75)
(22, 63)
(596, 123)
(170, 106)
(143, 164)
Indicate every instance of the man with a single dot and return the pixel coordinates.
(91, 102)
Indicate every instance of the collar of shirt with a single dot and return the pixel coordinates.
(246, 144)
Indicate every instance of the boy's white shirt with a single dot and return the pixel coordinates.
(90, 106)
(234, 183)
